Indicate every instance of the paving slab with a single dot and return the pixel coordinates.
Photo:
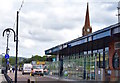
(2, 78)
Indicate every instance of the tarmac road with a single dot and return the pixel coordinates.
(25, 77)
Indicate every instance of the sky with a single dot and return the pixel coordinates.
(44, 24)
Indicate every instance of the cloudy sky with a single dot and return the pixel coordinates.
(46, 23)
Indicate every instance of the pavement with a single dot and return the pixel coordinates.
(2, 78)
(25, 77)
(58, 78)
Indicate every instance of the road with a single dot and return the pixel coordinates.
(25, 77)
(40, 79)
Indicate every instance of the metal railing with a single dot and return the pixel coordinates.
(8, 79)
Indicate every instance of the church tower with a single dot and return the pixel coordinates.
(87, 28)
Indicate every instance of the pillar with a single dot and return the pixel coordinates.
(112, 51)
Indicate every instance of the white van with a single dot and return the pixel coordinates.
(26, 69)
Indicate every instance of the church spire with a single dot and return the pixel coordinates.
(87, 20)
(87, 28)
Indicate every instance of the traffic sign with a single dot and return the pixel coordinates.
(6, 56)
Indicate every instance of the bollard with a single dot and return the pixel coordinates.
(32, 81)
(28, 81)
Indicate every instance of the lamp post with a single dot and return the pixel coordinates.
(15, 39)
(16, 46)
(8, 33)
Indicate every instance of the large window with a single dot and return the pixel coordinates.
(106, 57)
(101, 59)
(100, 63)
(116, 61)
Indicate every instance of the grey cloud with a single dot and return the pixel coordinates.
(112, 6)
(56, 25)
(102, 15)
(52, 21)
(43, 36)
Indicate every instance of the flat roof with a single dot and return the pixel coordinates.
(106, 32)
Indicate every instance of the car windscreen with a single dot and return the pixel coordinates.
(27, 67)
(37, 67)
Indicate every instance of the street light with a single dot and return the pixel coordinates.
(7, 49)
(7, 32)
(15, 39)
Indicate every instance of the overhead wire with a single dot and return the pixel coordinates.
(21, 6)
(18, 11)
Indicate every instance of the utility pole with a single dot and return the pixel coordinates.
(16, 46)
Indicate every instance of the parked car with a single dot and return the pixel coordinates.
(38, 70)
(26, 69)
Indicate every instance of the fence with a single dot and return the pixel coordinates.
(9, 80)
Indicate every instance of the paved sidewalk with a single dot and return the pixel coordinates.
(60, 79)
(2, 78)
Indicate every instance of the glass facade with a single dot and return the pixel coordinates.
(73, 67)
(53, 68)
(81, 65)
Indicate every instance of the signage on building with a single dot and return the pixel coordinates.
(117, 45)
(40, 63)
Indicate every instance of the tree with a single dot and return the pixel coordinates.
(3, 61)
(12, 60)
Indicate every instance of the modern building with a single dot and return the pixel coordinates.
(94, 56)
